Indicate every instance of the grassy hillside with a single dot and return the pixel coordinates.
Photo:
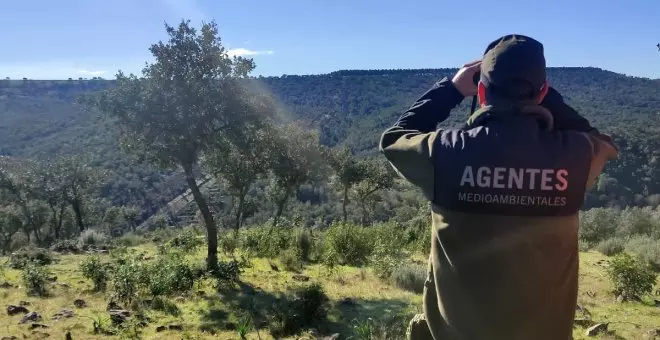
(360, 304)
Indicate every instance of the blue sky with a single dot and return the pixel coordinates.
(48, 39)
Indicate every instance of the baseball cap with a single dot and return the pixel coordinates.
(514, 67)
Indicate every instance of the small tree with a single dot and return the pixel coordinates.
(10, 224)
(630, 277)
(377, 176)
(131, 215)
(183, 102)
(79, 179)
(297, 159)
(240, 164)
(348, 171)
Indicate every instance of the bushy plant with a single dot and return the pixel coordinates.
(228, 242)
(92, 237)
(304, 244)
(129, 240)
(93, 269)
(23, 256)
(388, 245)
(598, 224)
(646, 248)
(303, 307)
(290, 259)
(630, 277)
(410, 277)
(170, 274)
(66, 247)
(349, 243)
(187, 240)
(611, 246)
(35, 276)
(267, 241)
(128, 277)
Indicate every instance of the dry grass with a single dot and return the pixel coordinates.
(207, 315)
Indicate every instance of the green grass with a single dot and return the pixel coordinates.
(208, 315)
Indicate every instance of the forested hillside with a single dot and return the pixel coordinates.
(350, 108)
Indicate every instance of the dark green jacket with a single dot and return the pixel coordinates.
(505, 193)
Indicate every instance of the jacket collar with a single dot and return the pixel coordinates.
(505, 112)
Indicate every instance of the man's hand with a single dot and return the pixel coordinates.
(463, 79)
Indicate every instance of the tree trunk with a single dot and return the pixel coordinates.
(75, 204)
(345, 203)
(239, 212)
(364, 212)
(280, 208)
(211, 230)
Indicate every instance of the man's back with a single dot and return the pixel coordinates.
(506, 191)
(504, 257)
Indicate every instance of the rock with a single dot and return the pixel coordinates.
(119, 316)
(80, 303)
(584, 323)
(31, 317)
(7, 285)
(13, 310)
(597, 329)
(418, 329)
(38, 325)
(52, 278)
(64, 313)
(301, 278)
(114, 306)
(332, 337)
(652, 334)
(175, 327)
(160, 328)
(63, 285)
(39, 335)
(179, 299)
(621, 298)
(23, 303)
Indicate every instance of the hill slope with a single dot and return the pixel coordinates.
(39, 119)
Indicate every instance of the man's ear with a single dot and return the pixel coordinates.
(544, 92)
(481, 93)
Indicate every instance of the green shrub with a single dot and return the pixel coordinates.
(66, 247)
(410, 277)
(304, 244)
(598, 224)
(35, 276)
(128, 278)
(584, 245)
(389, 243)
(93, 269)
(646, 248)
(170, 274)
(92, 237)
(266, 241)
(611, 246)
(290, 259)
(303, 307)
(228, 242)
(187, 240)
(350, 244)
(129, 240)
(638, 221)
(630, 277)
(23, 256)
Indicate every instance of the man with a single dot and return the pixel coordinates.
(505, 192)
